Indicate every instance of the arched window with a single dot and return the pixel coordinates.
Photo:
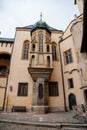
(25, 50)
(48, 61)
(33, 47)
(33, 61)
(41, 42)
(54, 57)
(48, 49)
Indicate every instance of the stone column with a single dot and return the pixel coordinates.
(39, 98)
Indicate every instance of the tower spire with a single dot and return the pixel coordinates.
(41, 16)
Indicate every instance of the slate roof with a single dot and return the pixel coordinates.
(11, 40)
(40, 24)
(50, 28)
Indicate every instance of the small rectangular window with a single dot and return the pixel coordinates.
(53, 89)
(23, 89)
(70, 83)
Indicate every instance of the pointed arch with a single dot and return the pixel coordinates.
(33, 61)
(25, 49)
(72, 101)
(48, 61)
(54, 51)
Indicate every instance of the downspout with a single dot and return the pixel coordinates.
(5, 93)
(62, 78)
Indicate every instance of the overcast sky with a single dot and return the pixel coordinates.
(19, 13)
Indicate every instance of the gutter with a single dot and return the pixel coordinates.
(62, 78)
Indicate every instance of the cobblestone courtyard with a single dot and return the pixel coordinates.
(31, 121)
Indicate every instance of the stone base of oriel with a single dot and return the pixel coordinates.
(40, 109)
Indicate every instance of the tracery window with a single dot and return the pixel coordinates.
(25, 50)
(54, 57)
(41, 42)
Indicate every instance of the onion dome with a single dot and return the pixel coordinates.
(40, 25)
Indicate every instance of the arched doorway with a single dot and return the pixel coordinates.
(72, 101)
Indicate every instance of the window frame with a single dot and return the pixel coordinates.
(70, 83)
(33, 47)
(48, 48)
(68, 58)
(53, 89)
(54, 52)
(41, 42)
(25, 51)
(22, 91)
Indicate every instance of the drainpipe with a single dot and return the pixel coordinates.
(5, 94)
(62, 77)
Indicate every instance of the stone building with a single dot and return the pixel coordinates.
(43, 69)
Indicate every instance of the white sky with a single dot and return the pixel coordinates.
(18, 13)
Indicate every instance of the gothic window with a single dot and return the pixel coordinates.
(33, 61)
(41, 42)
(54, 57)
(70, 83)
(53, 89)
(34, 39)
(48, 61)
(25, 50)
(48, 48)
(68, 56)
(47, 40)
(33, 47)
(23, 89)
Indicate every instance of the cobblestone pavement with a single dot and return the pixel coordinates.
(20, 121)
(31, 117)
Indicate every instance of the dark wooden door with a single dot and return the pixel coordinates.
(72, 101)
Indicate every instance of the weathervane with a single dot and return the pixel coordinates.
(41, 16)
